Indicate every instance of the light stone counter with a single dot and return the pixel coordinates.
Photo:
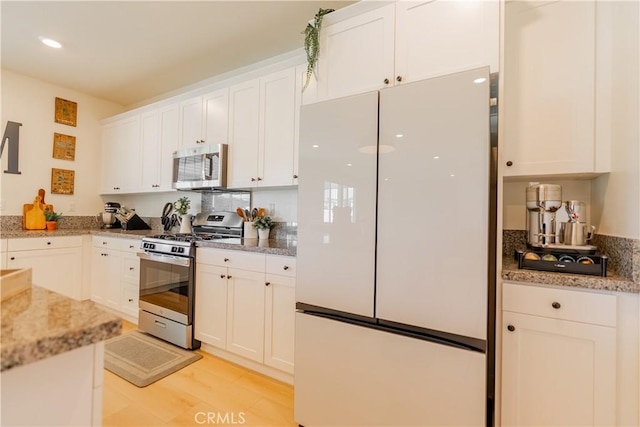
(613, 282)
(38, 324)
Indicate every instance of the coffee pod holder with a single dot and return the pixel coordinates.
(563, 262)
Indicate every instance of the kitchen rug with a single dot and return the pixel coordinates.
(142, 359)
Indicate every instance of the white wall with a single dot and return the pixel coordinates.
(618, 194)
(32, 103)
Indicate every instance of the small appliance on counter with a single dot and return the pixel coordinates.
(129, 220)
(108, 217)
(561, 249)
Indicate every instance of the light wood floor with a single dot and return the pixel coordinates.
(211, 387)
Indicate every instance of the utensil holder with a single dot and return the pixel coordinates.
(250, 232)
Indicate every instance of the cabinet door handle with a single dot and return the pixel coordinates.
(509, 163)
(556, 305)
(228, 277)
(267, 283)
(131, 269)
(130, 299)
(399, 78)
(48, 243)
(259, 179)
(295, 176)
(511, 328)
(13, 258)
(253, 179)
(386, 81)
(286, 267)
(104, 243)
(222, 276)
(226, 260)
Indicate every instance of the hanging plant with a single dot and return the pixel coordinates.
(312, 43)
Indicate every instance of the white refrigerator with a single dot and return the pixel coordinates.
(396, 256)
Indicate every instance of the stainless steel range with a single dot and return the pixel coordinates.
(167, 277)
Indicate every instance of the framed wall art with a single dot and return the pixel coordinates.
(62, 181)
(64, 146)
(66, 112)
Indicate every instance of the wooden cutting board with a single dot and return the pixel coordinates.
(28, 207)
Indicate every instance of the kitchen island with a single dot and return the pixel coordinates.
(52, 358)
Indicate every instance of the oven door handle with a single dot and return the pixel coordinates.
(166, 259)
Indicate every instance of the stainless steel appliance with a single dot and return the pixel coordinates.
(575, 231)
(395, 324)
(543, 201)
(108, 217)
(201, 167)
(167, 277)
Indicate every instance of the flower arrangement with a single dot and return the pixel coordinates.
(263, 222)
(52, 216)
(182, 205)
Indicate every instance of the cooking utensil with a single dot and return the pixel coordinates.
(241, 214)
(34, 219)
(247, 215)
(254, 213)
(166, 220)
(576, 233)
(28, 206)
(261, 212)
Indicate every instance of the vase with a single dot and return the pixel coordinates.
(185, 223)
(263, 233)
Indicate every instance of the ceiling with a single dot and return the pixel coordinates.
(131, 51)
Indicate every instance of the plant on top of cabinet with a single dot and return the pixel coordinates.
(312, 42)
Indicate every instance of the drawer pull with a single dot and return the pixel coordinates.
(130, 299)
(131, 268)
(226, 260)
(13, 258)
(267, 283)
(556, 305)
(286, 267)
(511, 328)
(48, 243)
(104, 243)
(162, 325)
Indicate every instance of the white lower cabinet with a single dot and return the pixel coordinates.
(56, 262)
(244, 309)
(115, 275)
(558, 357)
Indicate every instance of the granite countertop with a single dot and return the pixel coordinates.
(285, 247)
(612, 282)
(38, 323)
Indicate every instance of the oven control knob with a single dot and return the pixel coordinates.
(174, 249)
(181, 250)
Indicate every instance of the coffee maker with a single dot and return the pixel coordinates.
(543, 201)
(108, 217)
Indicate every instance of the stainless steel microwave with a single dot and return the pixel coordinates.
(200, 167)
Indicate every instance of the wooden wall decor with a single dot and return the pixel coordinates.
(62, 181)
(64, 146)
(66, 112)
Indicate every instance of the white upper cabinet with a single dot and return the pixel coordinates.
(552, 79)
(262, 134)
(159, 138)
(278, 113)
(204, 119)
(121, 172)
(405, 42)
(244, 131)
(356, 55)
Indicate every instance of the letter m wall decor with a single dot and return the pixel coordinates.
(12, 134)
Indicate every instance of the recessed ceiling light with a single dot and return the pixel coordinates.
(50, 42)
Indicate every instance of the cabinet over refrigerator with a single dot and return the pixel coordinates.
(396, 256)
